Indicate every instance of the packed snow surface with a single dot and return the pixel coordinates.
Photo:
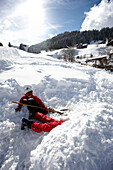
(85, 142)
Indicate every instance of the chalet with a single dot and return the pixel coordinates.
(110, 43)
(80, 46)
(98, 61)
(24, 47)
(111, 55)
(102, 62)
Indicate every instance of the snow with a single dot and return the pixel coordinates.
(84, 142)
(96, 50)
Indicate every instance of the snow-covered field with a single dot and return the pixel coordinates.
(85, 142)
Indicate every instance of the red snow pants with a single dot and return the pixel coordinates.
(48, 125)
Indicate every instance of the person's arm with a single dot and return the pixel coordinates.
(18, 109)
(40, 103)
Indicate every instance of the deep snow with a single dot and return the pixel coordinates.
(85, 142)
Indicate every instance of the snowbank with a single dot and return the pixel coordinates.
(83, 142)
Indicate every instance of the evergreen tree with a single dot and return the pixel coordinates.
(1, 44)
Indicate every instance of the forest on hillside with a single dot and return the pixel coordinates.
(70, 39)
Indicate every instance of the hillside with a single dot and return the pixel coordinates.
(84, 142)
(71, 39)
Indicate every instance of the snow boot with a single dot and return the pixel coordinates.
(27, 123)
(65, 119)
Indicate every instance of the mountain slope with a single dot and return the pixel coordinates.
(83, 142)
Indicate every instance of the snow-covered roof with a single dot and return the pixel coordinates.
(97, 58)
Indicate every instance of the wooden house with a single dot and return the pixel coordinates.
(98, 61)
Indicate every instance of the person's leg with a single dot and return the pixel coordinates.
(46, 127)
(33, 111)
(27, 123)
(38, 127)
(43, 118)
(31, 116)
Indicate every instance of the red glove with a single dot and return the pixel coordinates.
(17, 109)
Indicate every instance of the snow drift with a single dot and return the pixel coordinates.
(83, 142)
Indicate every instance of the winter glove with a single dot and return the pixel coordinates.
(17, 109)
(51, 110)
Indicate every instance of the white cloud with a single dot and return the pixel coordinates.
(7, 23)
(61, 2)
(26, 22)
(99, 16)
(51, 35)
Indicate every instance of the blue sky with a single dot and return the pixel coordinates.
(32, 21)
(71, 13)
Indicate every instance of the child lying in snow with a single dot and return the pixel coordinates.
(37, 113)
(48, 125)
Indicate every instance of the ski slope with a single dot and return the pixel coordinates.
(85, 142)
